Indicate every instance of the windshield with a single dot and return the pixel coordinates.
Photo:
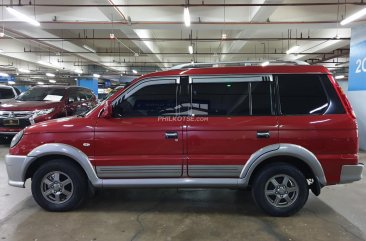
(6, 93)
(42, 94)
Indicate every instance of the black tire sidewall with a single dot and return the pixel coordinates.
(258, 189)
(76, 175)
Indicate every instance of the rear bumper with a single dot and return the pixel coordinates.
(15, 168)
(351, 173)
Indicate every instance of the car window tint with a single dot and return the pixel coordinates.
(301, 95)
(152, 100)
(261, 98)
(220, 99)
(6, 93)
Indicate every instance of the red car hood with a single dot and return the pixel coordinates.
(72, 124)
(15, 105)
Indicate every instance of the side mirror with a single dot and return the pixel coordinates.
(107, 110)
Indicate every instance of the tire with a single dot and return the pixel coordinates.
(280, 189)
(59, 185)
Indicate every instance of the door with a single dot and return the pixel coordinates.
(231, 119)
(144, 139)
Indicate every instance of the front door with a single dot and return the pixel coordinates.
(231, 119)
(143, 139)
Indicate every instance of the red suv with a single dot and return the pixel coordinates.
(42, 103)
(277, 130)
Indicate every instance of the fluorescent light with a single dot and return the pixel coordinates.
(96, 75)
(354, 17)
(88, 48)
(134, 71)
(24, 70)
(52, 65)
(187, 17)
(50, 75)
(190, 49)
(78, 71)
(52, 81)
(339, 77)
(10, 82)
(4, 75)
(224, 36)
(292, 49)
(265, 63)
(21, 17)
(40, 83)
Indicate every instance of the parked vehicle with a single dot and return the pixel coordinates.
(277, 130)
(8, 92)
(42, 103)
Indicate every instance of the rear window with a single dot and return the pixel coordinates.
(302, 95)
(6, 93)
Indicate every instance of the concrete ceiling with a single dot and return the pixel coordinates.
(151, 36)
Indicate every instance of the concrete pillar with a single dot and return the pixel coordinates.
(91, 83)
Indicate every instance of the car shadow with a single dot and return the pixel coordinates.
(178, 214)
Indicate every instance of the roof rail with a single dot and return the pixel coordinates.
(239, 63)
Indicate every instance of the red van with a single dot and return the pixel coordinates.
(277, 130)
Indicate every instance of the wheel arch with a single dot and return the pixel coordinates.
(50, 151)
(295, 155)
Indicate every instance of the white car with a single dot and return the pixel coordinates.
(8, 92)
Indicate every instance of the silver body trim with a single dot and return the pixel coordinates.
(351, 173)
(172, 183)
(139, 171)
(8, 133)
(214, 170)
(283, 149)
(64, 150)
(14, 167)
(18, 165)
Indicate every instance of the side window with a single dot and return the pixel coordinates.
(261, 98)
(88, 94)
(302, 95)
(81, 95)
(17, 91)
(73, 96)
(232, 98)
(151, 100)
(220, 99)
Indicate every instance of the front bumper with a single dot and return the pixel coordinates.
(351, 173)
(15, 167)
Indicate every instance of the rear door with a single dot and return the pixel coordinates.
(313, 117)
(231, 118)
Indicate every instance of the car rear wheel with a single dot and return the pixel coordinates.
(59, 185)
(280, 189)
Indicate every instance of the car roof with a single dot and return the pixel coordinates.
(241, 70)
(58, 86)
(6, 87)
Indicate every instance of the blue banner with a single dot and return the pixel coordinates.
(357, 62)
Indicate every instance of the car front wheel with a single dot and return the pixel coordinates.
(59, 185)
(280, 189)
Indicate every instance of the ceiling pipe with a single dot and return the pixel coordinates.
(170, 53)
(195, 5)
(181, 23)
(179, 39)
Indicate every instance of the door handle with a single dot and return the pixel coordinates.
(171, 135)
(263, 134)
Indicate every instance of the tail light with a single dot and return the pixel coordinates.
(344, 99)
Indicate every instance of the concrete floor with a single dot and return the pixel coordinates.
(181, 214)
